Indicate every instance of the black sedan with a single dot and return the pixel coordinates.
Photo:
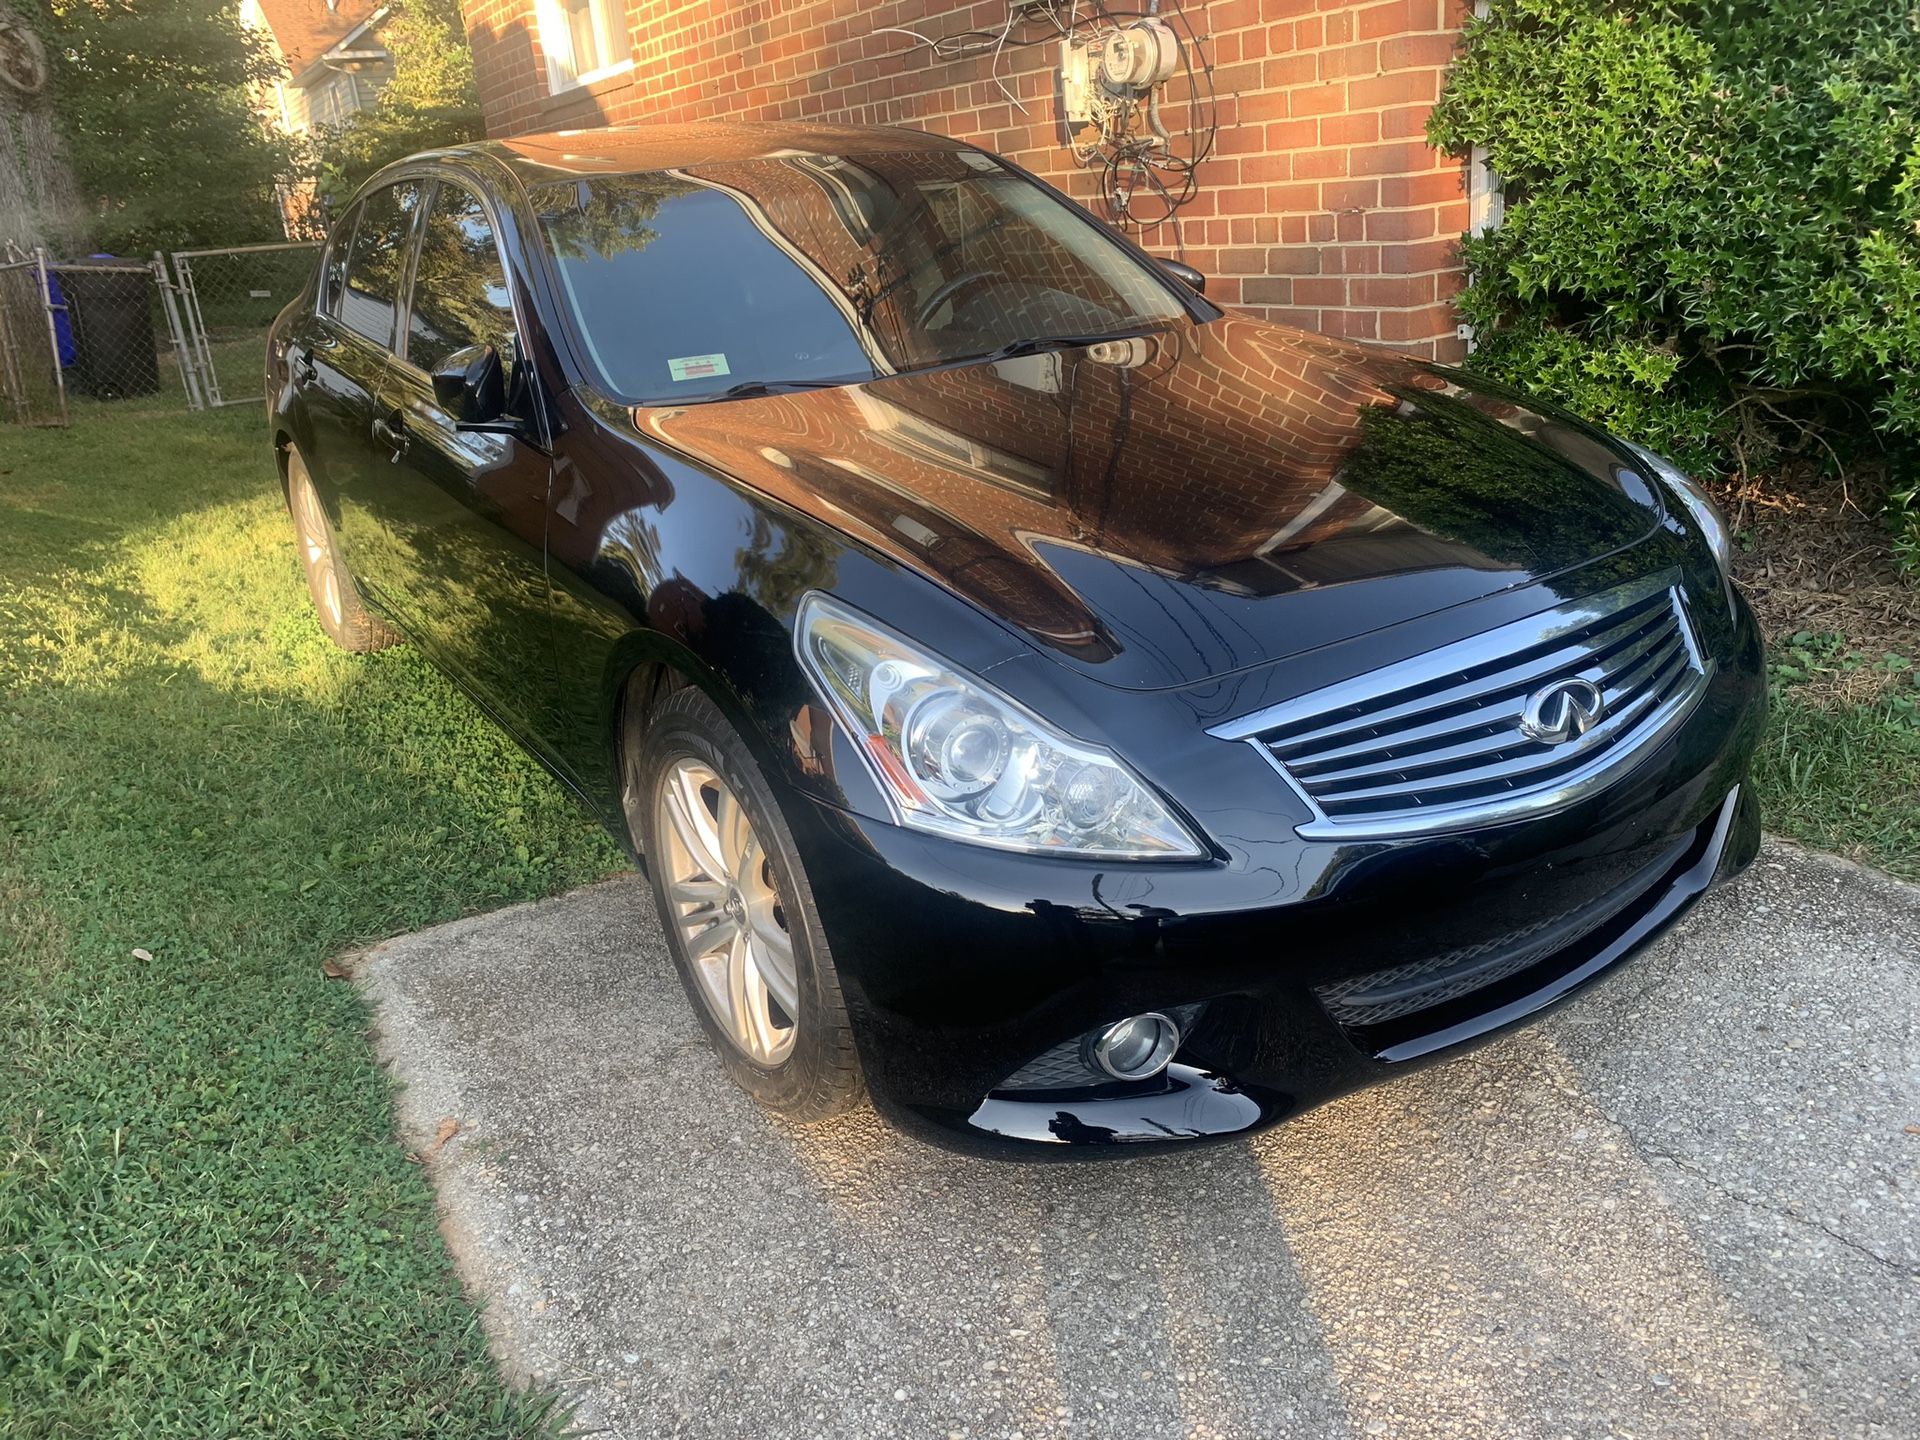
(1072, 715)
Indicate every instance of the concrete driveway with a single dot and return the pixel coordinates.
(1689, 1205)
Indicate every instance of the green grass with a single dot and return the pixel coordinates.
(1844, 775)
(206, 1228)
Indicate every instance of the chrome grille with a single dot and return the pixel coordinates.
(1435, 742)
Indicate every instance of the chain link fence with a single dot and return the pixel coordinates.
(230, 297)
(112, 330)
(105, 330)
(32, 382)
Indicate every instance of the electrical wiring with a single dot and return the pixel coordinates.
(1145, 176)
(1131, 162)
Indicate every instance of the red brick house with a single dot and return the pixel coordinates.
(1319, 202)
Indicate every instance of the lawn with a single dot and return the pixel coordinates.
(206, 1227)
(1841, 774)
(1841, 769)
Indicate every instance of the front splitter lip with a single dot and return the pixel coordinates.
(1189, 1105)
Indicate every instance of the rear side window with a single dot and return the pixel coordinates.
(378, 259)
(333, 283)
(459, 285)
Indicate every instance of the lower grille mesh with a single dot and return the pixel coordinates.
(1383, 996)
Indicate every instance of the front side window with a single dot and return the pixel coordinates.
(378, 260)
(459, 284)
(583, 40)
(684, 284)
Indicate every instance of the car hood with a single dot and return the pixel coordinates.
(1170, 508)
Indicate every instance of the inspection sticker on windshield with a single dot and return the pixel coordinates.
(698, 367)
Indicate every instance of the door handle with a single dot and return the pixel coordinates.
(392, 433)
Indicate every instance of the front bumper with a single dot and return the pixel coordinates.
(1320, 969)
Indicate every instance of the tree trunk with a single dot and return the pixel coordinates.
(39, 201)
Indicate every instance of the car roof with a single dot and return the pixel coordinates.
(625, 149)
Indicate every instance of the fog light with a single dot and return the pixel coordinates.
(1137, 1048)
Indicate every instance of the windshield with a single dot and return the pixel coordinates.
(685, 284)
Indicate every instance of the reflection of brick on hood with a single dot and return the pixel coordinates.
(1184, 467)
(1223, 438)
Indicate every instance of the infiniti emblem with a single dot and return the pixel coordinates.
(1562, 711)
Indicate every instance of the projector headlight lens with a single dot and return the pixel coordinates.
(959, 759)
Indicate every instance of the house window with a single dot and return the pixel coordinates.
(583, 40)
(335, 100)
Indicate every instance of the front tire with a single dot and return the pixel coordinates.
(737, 910)
(336, 599)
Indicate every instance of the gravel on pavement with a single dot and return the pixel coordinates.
(1686, 1205)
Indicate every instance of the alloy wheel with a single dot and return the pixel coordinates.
(316, 545)
(720, 888)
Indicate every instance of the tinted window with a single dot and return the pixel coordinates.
(334, 280)
(459, 285)
(829, 267)
(378, 260)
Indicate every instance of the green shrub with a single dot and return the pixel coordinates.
(1903, 518)
(152, 100)
(1712, 231)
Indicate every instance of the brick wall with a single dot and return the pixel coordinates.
(1323, 206)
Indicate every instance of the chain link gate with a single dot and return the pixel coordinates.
(79, 332)
(113, 331)
(106, 329)
(32, 383)
(229, 298)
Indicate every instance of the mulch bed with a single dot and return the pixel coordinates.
(1818, 558)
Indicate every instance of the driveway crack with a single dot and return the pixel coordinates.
(1700, 1173)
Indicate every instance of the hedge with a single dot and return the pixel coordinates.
(1712, 228)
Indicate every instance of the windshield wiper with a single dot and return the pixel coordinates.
(747, 389)
(1013, 349)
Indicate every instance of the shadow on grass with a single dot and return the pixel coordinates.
(206, 1227)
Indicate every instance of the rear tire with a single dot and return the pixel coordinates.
(336, 599)
(738, 913)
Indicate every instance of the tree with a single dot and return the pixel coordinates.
(39, 202)
(430, 101)
(152, 97)
(607, 216)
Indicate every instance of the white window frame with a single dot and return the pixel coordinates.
(556, 43)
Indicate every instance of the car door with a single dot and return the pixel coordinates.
(326, 388)
(351, 361)
(468, 508)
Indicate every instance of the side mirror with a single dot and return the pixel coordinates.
(471, 386)
(1186, 275)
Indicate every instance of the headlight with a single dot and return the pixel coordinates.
(959, 759)
(1694, 499)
